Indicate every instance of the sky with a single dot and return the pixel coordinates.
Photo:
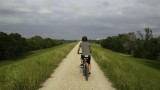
(72, 19)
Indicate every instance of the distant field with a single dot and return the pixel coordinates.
(29, 72)
(126, 72)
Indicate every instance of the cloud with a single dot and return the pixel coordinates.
(23, 9)
(45, 11)
(149, 2)
(103, 4)
(75, 18)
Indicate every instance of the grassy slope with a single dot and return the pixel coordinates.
(29, 55)
(28, 73)
(128, 73)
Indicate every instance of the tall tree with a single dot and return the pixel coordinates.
(148, 34)
(140, 34)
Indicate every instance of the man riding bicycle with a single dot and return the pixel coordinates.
(86, 50)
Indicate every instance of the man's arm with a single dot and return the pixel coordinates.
(78, 49)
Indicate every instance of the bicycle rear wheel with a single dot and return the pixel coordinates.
(86, 72)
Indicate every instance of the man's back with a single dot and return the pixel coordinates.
(85, 46)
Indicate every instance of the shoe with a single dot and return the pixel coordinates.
(81, 65)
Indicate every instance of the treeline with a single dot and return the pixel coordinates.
(14, 45)
(137, 44)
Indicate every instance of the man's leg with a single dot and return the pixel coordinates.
(81, 61)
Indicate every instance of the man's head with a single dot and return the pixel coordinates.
(84, 38)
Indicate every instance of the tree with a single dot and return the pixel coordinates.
(145, 46)
(140, 34)
(49, 42)
(129, 45)
(35, 43)
(14, 45)
(148, 34)
(17, 45)
(4, 43)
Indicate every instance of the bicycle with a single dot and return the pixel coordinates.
(85, 66)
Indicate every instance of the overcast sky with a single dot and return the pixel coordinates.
(71, 19)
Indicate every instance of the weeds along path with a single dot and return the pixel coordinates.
(69, 76)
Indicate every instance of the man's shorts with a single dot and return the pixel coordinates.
(88, 60)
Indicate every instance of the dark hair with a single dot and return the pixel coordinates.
(84, 38)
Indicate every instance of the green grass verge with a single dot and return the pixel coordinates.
(30, 72)
(127, 73)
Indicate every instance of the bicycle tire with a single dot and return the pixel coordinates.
(86, 72)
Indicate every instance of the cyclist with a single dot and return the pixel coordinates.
(86, 50)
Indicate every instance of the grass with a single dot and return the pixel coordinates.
(30, 72)
(24, 57)
(126, 72)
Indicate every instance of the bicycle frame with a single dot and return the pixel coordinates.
(85, 68)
